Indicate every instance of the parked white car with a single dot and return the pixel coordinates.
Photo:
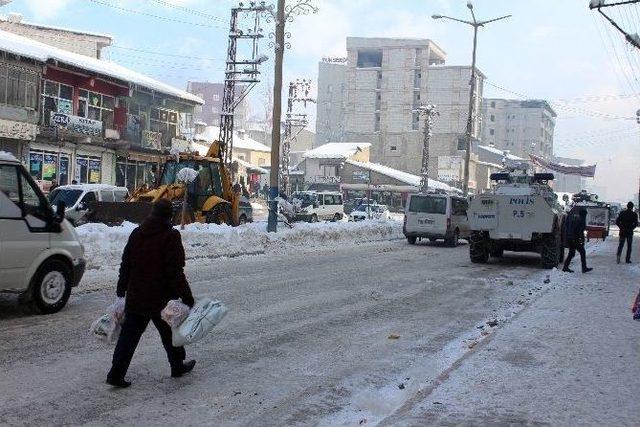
(77, 198)
(369, 211)
(317, 206)
(41, 257)
(435, 216)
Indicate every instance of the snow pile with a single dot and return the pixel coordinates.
(336, 150)
(104, 244)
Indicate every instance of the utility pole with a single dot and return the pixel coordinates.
(247, 75)
(429, 112)
(298, 93)
(472, 89)
(281, 16)
(633, 39)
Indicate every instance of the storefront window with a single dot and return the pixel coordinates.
(49, 166)
(88, 170)
(56, 97)
(18, 86)
(96, 106)
(133, 174)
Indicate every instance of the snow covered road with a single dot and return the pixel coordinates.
(344, 335)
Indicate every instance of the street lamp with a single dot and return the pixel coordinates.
(472, 90)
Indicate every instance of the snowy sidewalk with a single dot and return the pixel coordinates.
(571, 358)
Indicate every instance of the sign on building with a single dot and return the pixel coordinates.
(361, 176)
(449, 168)
(151, 139)
(17, 130)
(76, 124)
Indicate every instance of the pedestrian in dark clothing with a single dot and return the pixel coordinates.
(151, 274)
(575, 226)
(627, 221)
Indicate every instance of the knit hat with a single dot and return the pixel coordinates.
(162, 209)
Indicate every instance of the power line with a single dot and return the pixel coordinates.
(189, 10)
(173, 55)
(151, 15)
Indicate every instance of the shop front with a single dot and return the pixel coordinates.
(14, 135)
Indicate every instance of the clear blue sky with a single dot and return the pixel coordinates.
(550, 49)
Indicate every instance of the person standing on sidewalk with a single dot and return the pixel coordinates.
(151, 274)
(627, 221)
(575, 227)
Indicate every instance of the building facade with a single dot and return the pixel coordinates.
(522, 127)
(213, 94)
(569, 183)
(74, 118)
(385, 81)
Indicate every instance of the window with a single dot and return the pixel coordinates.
(107, 196)
(428, 204)
(369, 58)
(133, 174)
(216, 97)
(376, 125)
(415, 120)
(49, 166)
(418, 58)
(57, 98)
(462, 143)
(96, 106)
(379, 81)
(90, 197)
(378, 100)
(393, 148)
(88, 170)
(9, 189)
(458, 207)
(492, 118)
(329, 200)
(491, 132)
(18, 86)
(165, 122)
(493, 104)
(417, 78)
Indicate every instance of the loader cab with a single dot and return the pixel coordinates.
(207, 184)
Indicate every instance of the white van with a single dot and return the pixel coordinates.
(41, 257)
(77, 198)
(322, 205)
(436, 216)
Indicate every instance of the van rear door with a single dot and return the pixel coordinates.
(427, 214)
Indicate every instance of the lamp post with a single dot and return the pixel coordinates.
(472, 90)
(281, 15)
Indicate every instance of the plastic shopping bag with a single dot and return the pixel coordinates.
(175, 313)
(204, 316)
(107, 327)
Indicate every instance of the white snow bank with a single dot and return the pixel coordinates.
(104, 244)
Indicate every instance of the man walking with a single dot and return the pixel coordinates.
(151, 274)
(627, 221)
(575, 225)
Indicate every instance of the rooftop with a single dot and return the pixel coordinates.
(35, 50)
(499, 152)
(16, 19)
(240, 139)
(336, 150)
(405, 177)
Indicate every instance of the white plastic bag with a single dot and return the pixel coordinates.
(204, 316)
(175, 313)
(107, 327)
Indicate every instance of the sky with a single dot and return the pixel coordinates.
(557, 50)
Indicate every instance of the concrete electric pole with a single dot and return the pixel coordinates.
(472, 90)
(429, 112)
(281, 16)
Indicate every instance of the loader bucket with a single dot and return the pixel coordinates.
(115, 213)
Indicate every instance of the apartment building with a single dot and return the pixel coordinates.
(521, 127)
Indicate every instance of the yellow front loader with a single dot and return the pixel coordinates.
(210, 198)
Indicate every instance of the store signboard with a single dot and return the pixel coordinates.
(17, 130)
(151, 139)
(361, 176)
(76, 124)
